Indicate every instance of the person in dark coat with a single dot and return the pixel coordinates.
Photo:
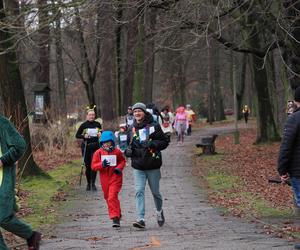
(89, 132)
(129, 119)
(289, 155)
(12, 147)
(146, 142)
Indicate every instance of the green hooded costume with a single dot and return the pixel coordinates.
(12, 148)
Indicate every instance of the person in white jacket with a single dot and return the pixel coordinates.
(167, 123)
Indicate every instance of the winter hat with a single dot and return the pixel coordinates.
(139, 105)
(297, 94)
(107, 136)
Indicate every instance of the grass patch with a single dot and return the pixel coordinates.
(260, 207)
(219, 181)
(214, 158)
(42, 190)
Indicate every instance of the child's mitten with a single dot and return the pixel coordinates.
(105, 163)
(117, 171)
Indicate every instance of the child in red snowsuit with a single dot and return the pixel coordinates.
(110, 162)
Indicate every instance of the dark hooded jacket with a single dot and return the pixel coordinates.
(146, 149)
(289, 155)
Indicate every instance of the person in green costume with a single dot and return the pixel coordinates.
(12, 148)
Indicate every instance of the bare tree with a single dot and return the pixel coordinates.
(11, 88)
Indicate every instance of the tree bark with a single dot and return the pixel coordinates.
(149, 47)
(210, 118)
(129, 57)
(138, 88)
(87, 75)
(218, 93)
(61, 81)
(119, 52)
(12, 94)
(60, 69)
(293, 49)
(44, 49)
(242, 84)
(107, 73)
(267, 128)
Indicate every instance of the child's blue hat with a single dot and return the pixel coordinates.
(107, 136)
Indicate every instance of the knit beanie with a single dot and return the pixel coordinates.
(297, 94)
(139, 105)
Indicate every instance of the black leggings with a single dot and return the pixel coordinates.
(89, 173)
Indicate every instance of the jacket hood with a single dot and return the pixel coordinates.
(107, 136)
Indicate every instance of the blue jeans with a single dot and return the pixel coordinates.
(140, 178)
(295, 181)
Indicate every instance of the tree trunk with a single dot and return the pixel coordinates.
(87, 72)
(129, 57)
(61, 82)
(60, 70)
(218, 93)
(241, 88)
(107, 72)
(44, 49)
(210, 118)
(119, 53)
(181, 79)
(138, 89)
(293, 49)
(12, 94)
(267, 128)
(149, 47)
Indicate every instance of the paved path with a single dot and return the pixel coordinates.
(191, 223)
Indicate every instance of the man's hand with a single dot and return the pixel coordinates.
(151, 145)
(128, 152)
(284, 178)
(86, 136)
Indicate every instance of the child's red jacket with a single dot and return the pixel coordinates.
(111, 183)
(108, 172)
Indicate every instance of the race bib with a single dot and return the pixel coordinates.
(123, 137)
(112, 159)
(151, 130)
(143, 134)
(92, 132)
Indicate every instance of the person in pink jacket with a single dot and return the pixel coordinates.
(181, 123)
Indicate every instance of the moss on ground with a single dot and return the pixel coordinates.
(44, 190)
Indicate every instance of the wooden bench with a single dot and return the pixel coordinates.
(207, 144)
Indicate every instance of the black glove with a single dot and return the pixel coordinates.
(105, 163)
(128, 152)
(152, 145)
(117, 171)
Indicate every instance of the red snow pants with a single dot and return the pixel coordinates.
(111, 184)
